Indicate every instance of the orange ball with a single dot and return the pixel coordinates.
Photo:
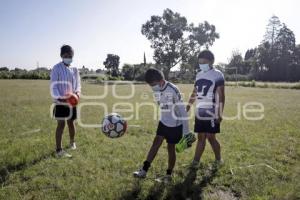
(73, 99)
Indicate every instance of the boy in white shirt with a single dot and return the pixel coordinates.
(65, 80)
(209, 94)
(172, 125)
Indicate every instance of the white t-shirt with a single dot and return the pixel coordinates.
(172, 109)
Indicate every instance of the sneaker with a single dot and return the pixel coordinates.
(63, 154)
(218, 163)
(164, 179)
(73, 146)
(140, 173)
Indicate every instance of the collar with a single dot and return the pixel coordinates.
(164, 86)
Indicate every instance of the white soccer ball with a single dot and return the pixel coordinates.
(113, 125)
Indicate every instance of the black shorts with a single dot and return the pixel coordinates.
(206, 126)
(172, 134)
(64, 112)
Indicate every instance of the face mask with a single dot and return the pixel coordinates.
(156, 88)
(204, 67)
(67, 61)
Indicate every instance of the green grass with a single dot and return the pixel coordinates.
(258, 84)
(102, 168)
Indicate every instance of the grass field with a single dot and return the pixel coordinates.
(101, 168)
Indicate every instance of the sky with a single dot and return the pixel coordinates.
(32, 31)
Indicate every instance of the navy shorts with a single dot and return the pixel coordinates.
(206, 126)
(64, 112)
(172, 134)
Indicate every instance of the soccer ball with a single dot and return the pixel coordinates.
(113, 125)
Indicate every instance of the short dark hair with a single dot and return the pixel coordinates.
(153, 75)
(66, 49)
(207, 54)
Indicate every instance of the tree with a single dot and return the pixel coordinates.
(250, 54)
(128, 72)
(84, 70)
(236, 64)
(272, 30)
(173, 40)
(285, 40)
(285, 47)
(296, 74)
(297, 54)
(187, 73)
(112, 64)
(4, 69)
(145, 61)
(276, 53)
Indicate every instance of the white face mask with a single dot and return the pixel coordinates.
(204, 67)
(67, 61)
(156, 88)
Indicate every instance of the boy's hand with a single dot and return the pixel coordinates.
(219, 119)
(77, 94)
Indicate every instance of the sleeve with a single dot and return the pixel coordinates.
(182, 112)
(78, 81)
(220, 80)
(53, 83)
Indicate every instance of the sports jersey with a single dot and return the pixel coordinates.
(206, 84)
(172, 109)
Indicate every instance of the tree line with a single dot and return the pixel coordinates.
(176, 42)
(277, 58)
(17, 73)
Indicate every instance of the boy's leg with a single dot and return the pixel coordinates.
(172, 158)
(215, 145)
(59, 132)
(141, 173)
(72, 130)
(200, 146)
(158, 140)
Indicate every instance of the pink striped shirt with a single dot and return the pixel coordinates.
(64, 80)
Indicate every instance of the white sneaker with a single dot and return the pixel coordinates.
(73, 146)
(140, 173)
(164, 179)
(63, 154)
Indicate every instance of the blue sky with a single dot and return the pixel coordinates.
(33, 30)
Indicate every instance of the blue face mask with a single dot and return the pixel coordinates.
(156, 88)
(204, 67)
(67, 61)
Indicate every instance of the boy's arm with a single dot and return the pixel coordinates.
(192, 99)
(220, 101)
(182, 111)
(78, 83)
(220, 96)
(54, 84)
